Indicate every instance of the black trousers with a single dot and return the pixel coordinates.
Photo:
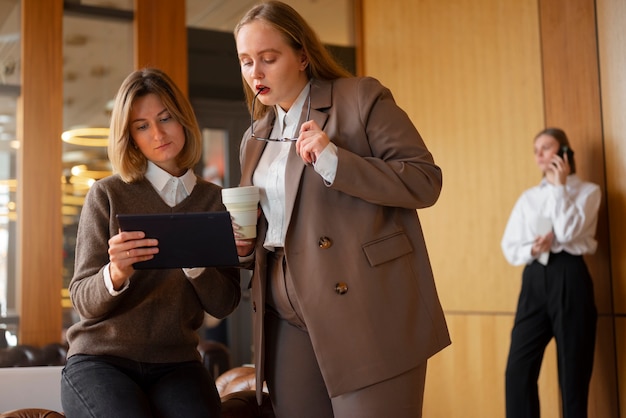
(555, 301)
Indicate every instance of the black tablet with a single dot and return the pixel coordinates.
(196, 239)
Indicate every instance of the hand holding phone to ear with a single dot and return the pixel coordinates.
(560, 164)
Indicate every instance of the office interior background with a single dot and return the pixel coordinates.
(479, 78)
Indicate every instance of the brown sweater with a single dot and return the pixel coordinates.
(155, 320)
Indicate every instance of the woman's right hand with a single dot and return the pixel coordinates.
(125, 249)
(561, 168)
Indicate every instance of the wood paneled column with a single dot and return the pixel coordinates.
(161, 38)
(573, 102)
(40, 114)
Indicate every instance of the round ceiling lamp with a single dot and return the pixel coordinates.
(87, 137)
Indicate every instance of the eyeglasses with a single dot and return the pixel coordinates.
(308, 114)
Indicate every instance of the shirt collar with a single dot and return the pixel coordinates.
(294, 112)
(571, 181)
(159, 177)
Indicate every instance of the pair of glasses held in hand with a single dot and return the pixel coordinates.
(308, 114)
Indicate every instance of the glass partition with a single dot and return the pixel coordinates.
(98, 55)
(10, 59)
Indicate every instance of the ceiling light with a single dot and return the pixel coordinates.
(83, 171)
(88, 137)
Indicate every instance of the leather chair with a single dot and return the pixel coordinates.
(242, 404)
(53, 354)
(237, 390)
(31, 413)
(236, 387)
(215, 357)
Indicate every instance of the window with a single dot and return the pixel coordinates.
(98, 55)
(10, 54)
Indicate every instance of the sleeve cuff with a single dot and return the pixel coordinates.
(109, 283)
(326, 164)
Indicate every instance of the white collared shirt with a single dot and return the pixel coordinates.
(571, 209)
(270, 173)
(172, 190)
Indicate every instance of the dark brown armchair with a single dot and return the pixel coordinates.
(52, 354)
(31, 413)
(236, 386)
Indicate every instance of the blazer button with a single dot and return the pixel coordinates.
(325, 243)
(341, 288)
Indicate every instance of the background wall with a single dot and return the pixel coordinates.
(611, 17)
(479, 80)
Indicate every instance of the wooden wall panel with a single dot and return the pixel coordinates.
(572, 102)
(603, 394)
(620, 331)
(39, 173)
(468, 74)
(611, 17)
(467, 379)
(611, 41)
(161, 38)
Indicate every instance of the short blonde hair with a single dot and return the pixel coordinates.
(126, 159)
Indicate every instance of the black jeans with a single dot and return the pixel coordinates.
(105, 386)
(555, 301)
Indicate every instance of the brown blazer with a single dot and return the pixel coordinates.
(355, 248)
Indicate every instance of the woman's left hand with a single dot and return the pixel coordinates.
(542, 244)
(311, 142)
(245, 246)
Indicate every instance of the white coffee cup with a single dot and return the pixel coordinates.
(242, 203)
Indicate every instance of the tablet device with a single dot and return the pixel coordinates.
(193, 239)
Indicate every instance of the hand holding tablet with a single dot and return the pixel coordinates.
(186, 240)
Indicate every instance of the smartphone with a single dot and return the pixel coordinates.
(565, 150)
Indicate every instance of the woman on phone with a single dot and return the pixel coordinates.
(551, 227)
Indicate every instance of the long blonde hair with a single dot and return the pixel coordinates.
(126, 158)
(300, 36)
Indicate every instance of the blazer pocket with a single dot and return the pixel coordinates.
(387, 248)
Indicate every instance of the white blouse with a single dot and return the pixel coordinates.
(572, 211)
(269, 175)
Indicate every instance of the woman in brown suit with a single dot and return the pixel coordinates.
(346, 312)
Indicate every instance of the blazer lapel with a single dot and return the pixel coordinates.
(293, 172)
(253, 148)
(320, 98)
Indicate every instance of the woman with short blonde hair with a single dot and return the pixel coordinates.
(126, 158)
